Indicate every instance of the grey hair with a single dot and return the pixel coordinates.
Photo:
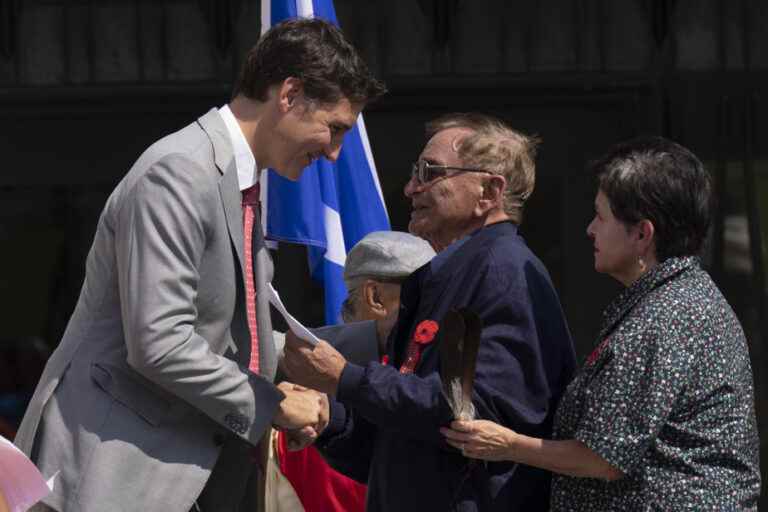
(495, 147)
(349, 306)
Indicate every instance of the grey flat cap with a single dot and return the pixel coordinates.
(390, 254)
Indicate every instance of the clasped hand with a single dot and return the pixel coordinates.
(300, 408)
(303, 414)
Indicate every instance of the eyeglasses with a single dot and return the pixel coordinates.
(424, 172)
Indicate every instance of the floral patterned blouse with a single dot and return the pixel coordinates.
(666, 397)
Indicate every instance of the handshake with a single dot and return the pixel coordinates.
(303, 414)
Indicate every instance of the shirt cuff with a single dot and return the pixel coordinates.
(622, 453)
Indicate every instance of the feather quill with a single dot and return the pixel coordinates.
(459, 343)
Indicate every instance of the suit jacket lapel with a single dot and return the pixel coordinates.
(233, 210)
(229, 189)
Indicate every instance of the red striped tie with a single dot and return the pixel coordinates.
(250, 201)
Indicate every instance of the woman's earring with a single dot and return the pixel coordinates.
(642, 265)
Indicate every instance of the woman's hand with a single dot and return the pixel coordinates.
(486, 440)
(481, 439)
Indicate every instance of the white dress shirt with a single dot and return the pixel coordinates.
(247, 170)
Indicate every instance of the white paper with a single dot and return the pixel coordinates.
(21, 483)
(298, 329)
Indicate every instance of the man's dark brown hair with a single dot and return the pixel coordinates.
(315, 52)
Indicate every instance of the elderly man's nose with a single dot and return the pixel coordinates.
(411, 187)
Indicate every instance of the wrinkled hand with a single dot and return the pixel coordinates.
(318, 367)
(300, 408)
(481, 439)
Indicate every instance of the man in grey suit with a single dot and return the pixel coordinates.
(160, 391)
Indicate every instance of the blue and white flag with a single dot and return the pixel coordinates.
(333, 205)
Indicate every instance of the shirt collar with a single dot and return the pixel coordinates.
(247, 171)
(443, 256)
(654, 278)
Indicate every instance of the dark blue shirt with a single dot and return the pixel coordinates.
(384, 428)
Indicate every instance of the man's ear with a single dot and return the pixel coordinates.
(372, 299)
(372, 295)
(291, 90)
(493, 192)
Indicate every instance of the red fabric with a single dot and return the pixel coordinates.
(412, 357)
(320, 488)
(250, 200)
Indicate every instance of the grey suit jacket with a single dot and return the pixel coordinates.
(149, 390)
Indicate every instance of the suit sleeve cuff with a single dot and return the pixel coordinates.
(267, 398)
(337, 421)
(350, 381)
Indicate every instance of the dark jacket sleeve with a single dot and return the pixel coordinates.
(513, 384)
(347, 443)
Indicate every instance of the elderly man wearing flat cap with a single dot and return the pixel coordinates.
(373, 273)
(375, 269)
(467, 191)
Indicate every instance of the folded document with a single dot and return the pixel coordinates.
(296, 326)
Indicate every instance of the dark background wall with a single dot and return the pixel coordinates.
(85, 86)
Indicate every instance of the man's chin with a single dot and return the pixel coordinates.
(291, 173)
(417, 228)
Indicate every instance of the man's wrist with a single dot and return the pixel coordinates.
(515, 443)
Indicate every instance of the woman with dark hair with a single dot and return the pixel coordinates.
(661, 415)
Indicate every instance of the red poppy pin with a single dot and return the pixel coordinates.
(423, 335)
(425, 332)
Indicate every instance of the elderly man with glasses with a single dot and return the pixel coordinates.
(467, 191)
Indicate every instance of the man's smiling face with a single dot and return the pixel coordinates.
(444, 209)
(310, 131)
